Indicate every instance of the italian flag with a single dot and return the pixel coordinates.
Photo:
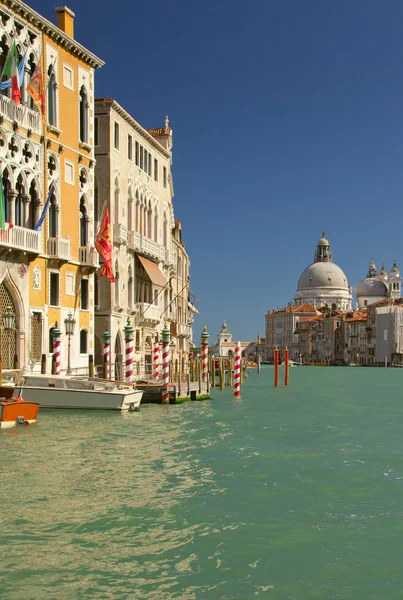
(11, 72)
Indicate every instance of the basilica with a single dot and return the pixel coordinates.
(323, 283)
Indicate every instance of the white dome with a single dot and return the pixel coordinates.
(371, 287)
(322, 274)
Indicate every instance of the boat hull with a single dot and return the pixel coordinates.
(79, 394)
(17, 413)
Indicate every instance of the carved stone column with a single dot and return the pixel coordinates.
(25, 213)
(12, 194)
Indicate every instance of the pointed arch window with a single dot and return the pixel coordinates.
(165, 232)
(156, 226)
(6, 190)
(53, 217)
(19, 203)
(84, 111)
(83, 341)
(33, 199)
(116, 284)
(96, 200)
(52, 96)
(31, 68)
(83, 222)
(130, 287)
(117, 202)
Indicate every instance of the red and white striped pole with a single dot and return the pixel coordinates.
(128, 329)
(107, 351)
(237, 370)
(204, 346)
(156, 358)
(166, 334)
(56, 347)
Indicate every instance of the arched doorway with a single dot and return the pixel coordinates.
(7, 338)
(99, 355)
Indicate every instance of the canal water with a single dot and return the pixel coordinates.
(294, 493)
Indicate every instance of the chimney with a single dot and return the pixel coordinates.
(65, 20)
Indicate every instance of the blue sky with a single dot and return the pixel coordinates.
(287, 119)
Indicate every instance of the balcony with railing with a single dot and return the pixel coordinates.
(89, 258)
(148, 312)
(21, 114)
(59, 249)
(144, 245)
(184, 330)
(20, 240)
(119, 233)
(170, 257)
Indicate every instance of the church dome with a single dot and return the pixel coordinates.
(371, 287)
(322, 274)
(394, 269)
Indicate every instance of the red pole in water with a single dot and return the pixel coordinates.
(286, 366)
(276, 367)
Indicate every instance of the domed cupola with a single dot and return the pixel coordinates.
(394, 270)
(383, 274)
(373, 288)
(323, 253)
(371, 269)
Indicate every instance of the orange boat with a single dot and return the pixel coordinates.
(15, 411)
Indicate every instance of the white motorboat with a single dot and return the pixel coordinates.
(57, 391)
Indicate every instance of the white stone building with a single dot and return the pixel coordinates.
(378, 286)
(226, 347)
(323, 283)
(133, 178)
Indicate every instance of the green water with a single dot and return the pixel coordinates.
(294, 493)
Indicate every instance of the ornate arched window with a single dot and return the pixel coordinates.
(117, 200)
(156, 225)
(83, 222)
(84, 108)
(52, 96)
(53, 216)
(31, 68)
(19, 203)
(96, 200)
(33, 199)
(116, 283)
(165, 232)
(83, 341)
(137, 224)
(6, 189)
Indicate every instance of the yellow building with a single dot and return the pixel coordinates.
(46, 274)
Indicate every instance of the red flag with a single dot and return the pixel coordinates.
(35, 89)
(103, 244)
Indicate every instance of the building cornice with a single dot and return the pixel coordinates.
(53, 32)
(113, 105)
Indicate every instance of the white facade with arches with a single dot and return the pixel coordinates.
(133, 179)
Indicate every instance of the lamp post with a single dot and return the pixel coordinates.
(9, 324)
(69, 324)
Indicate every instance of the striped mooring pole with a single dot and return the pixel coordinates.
(56, 346)
(156, 357)
(237, 370)
(276, 367)
(204, 344)
(286, 366)
(107, 351)
(165, 334)
(128, 329)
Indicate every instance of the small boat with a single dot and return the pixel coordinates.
(16, 411)
(291, 363)
(58, 391)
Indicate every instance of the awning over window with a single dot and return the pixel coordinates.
(153, 272)
(193, 308)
